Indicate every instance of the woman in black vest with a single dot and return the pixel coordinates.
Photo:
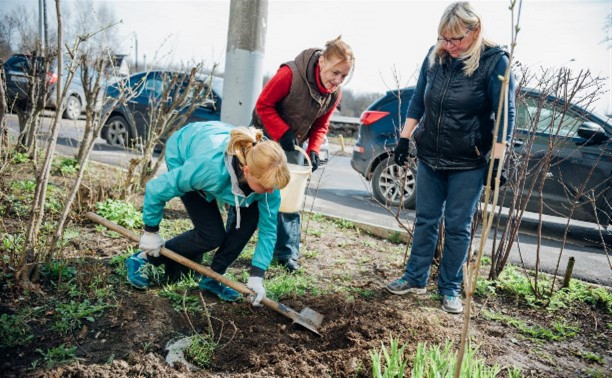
(295, 106)
(450, 119)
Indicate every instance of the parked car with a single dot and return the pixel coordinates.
(584, 154)
(18, 69)
(129, 122)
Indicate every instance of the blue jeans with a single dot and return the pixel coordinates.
(454, 194)
(288, 230)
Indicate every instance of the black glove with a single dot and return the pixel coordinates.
(403, 151)
(502, 177)
(287, 141)
(314, 160)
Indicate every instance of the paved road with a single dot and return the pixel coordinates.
(338, 190)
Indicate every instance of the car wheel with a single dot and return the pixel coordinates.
(73, 108)
(116, 131)
(387, 182)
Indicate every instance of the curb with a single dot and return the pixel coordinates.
(379, 231)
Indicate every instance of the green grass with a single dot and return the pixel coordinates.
(201, 351)
(559, 331)
(512, 282)
(310, 253)
(395, 238)
(70, 315)
(431, 361)
(58, 355)
(66, 166)
(591, 357)
(282, 284)
(15, 330)
(120, 212)
(178, 295)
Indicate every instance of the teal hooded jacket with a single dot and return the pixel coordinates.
(197, 161)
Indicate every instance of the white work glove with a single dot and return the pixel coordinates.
(151, 243)
(256, 284)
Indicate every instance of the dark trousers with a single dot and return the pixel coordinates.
(207, 234)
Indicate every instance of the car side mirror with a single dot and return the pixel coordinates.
(592, 132)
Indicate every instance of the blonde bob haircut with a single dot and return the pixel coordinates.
(266, 159)
(458, 19)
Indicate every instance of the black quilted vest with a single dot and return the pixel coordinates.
(456, 129)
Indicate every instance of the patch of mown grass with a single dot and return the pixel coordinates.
(201, 350)
(560, 330)
(120, 212)
(59, 355)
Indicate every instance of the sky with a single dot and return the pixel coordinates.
(389, 38)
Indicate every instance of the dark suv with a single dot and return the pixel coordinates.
(19, 69)
(130, 122)
(582, 154)
(379, 129)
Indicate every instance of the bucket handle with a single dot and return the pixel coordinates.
(298, 148)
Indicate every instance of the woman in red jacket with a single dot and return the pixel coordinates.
(295, 106)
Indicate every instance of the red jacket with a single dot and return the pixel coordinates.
(275, 90)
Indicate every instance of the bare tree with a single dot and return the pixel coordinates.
(170, 108)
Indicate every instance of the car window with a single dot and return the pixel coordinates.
(550, 118)
(17, 64)
(153, 87)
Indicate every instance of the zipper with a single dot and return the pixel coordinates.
(440, 119)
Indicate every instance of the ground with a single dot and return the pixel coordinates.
(343, 274)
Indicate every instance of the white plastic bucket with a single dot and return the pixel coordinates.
(294, 194)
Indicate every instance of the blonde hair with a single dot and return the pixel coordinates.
(337, 48)
(266, 159)
(456, 18)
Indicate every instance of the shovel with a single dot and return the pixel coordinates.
(307, 318)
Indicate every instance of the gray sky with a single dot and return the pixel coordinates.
(385, 35)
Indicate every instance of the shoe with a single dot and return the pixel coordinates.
(452, 304)
(291, 265)
(401, 286)
(135, 274)
(224, 292)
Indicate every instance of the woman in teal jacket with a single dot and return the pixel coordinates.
(210, 162)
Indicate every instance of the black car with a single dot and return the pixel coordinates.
(582, 155)
(130, 122)
(18, 70)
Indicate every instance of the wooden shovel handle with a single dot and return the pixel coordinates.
(282, 309)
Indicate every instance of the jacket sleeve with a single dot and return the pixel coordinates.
(319, 129)
(268, 212)
(494, 91)
(274, 92)
(195, 174)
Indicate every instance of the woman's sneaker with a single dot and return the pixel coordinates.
(452, 304)
(401, 286)
(224, 292)
(135, 274)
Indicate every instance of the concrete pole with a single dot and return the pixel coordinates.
(244, 57)
(41, 28)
